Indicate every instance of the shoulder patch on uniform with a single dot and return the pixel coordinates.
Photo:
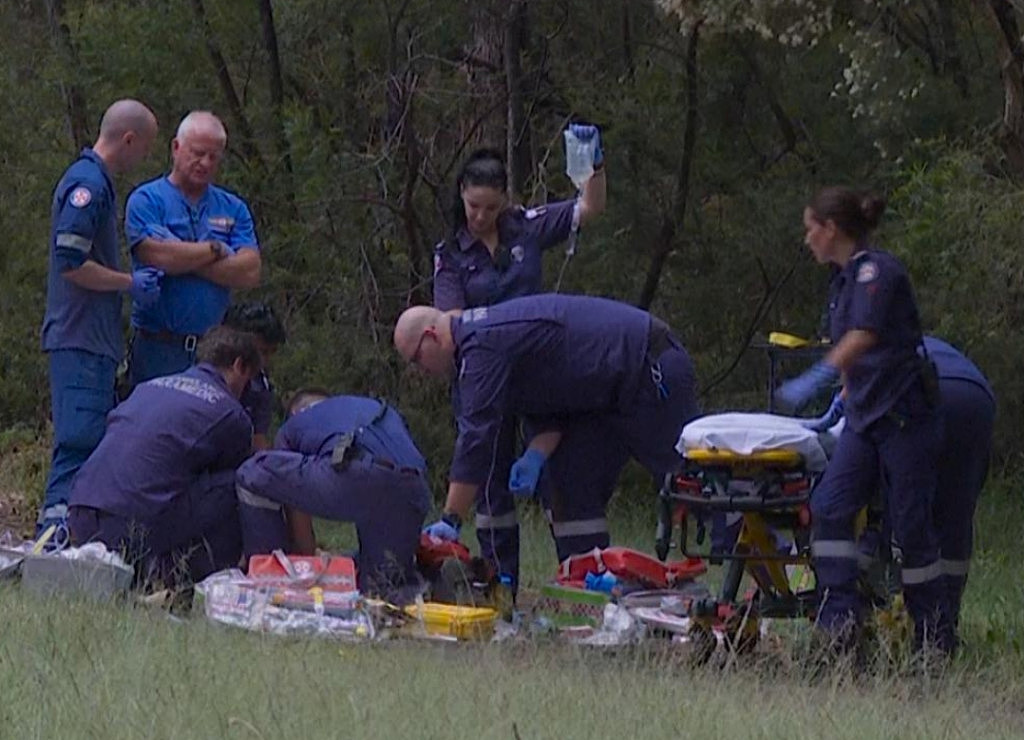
(80, 197)
(518, 253)
(531, 213)
(867, 272)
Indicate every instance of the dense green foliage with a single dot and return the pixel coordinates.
(349, 167)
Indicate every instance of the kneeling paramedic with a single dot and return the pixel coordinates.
(160, 487)
(345, 458)
(600, 381)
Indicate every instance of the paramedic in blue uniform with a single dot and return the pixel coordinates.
(202, 237)
(160, 487)
(82, 332)
(598, 380)
(494, 253)
(893, 430)
(258, 318)
(349, 459)
(967, 407)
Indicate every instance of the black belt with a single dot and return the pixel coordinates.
(188, 341)
(383, 462)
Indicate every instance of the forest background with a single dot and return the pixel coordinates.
(348, 119)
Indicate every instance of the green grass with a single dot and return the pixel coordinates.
(77, 670)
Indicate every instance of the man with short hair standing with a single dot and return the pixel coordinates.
(201, 235)
(82, 332)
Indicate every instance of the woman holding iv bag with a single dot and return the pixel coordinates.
(492, 254)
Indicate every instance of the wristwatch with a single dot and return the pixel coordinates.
(452, 519)
(217, 248)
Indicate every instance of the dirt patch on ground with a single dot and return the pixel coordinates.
(15, 514)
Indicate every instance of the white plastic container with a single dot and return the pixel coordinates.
(579, 158)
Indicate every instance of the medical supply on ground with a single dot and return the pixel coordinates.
(229, 597)
(329, 572)
(461, 622)
(90, 570)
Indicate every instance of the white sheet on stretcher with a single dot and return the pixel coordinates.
(745, 434)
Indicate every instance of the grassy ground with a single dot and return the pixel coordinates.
(70, 669)
(77, 670)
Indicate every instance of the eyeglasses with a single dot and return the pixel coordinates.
(415, 359)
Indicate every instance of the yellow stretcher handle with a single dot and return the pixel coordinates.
(789, 341)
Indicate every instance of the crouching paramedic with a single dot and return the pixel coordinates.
(345, 458)
(601, 381)
(160, 486)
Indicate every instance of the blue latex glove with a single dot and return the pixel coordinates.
(794, 394)
(586, 132)
(829, 419)
(145, 287)
(443, 531)
(525, 473)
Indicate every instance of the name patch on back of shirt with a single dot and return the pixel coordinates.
(191, 386)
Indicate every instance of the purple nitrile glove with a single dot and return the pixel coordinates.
(794, 394)
(829, 419)
(586, 132)
(525, 473)
(443, 531)
(145, 287)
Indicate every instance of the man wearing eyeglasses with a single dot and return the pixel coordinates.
(600, 381)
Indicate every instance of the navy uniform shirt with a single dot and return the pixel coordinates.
(159, 441)
(952, 364)
(380, 430)
(258, 401)
(541, 356)
(873, 293)
(157, 209)
(465, 274)
(83, 227)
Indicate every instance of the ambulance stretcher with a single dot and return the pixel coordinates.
(759, 469)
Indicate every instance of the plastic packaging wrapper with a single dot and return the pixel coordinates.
(229, 597)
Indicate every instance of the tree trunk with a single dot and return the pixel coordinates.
(674, 218)
(1011, 64)
(227, 87)
(74, 99)
(277, 98)
(517, 136)
(486, 70)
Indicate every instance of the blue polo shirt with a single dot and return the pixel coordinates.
(383, 434)
(542, 356)
(873, 293)
(157, 209)
(466, 275)
(169, 432)
(83, 226)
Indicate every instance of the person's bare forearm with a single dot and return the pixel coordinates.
(240, 270)
(176, 257)
(460, 498)
(91, 275)
(594, 197)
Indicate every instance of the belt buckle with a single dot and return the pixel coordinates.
(191, 340)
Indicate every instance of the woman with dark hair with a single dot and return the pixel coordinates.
(492, 254)
(892, 428)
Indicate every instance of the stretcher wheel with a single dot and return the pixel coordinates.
(702, 643)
